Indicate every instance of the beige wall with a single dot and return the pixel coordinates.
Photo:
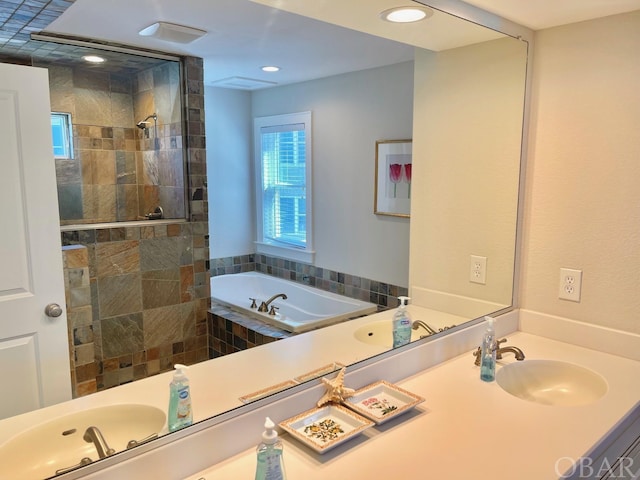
(467, 133)
(349, 113)
(583, 175)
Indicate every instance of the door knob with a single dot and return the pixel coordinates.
(53, 310)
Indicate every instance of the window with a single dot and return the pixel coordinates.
(283, 179)
(61, 134)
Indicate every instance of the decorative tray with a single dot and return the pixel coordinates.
(319, 372)
(382, 401)
(265, 392)
(325, 427)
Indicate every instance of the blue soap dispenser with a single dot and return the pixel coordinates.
(488, 353)
(402, 324)
(270, 464)
(180, 413)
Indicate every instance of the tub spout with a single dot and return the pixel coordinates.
(264, 306)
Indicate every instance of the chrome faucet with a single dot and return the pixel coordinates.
(94, 435)
(499, 351)
(419, 323)
(264, 306)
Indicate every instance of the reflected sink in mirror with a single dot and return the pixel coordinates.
(44, 449)
(551, 382)
(380, 333)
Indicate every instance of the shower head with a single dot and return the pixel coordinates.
(143, 123)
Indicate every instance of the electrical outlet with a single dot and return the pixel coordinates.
(478, 269)
(570, 284)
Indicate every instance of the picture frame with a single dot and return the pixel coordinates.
(392, 192)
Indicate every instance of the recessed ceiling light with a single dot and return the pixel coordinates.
(93, 59)
(406, 14)
(270, 68)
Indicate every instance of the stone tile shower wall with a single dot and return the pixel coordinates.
(119, 172)
(79, 320)
(149, 284)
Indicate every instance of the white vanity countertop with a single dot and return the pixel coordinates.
(467, 428)
(218, 384)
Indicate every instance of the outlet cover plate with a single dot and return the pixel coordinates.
(570, 284)
(478, 269)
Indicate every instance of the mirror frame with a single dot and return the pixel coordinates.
(463, 11)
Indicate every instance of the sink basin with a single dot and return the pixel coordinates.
(551, 382)
(38, 452)
(380, 333)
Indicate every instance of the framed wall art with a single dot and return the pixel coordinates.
(393, 178)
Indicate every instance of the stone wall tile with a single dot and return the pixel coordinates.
(121, 335)
(119, 295)
(117, 258)
(160, 288)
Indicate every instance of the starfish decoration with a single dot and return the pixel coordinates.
(336, 391)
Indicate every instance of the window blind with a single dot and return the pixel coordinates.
(284, 183)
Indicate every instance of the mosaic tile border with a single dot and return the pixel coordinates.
(231, 332)
(382, 294)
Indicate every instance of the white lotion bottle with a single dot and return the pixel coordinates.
(270, 464)
(401, 324)
(180, 413)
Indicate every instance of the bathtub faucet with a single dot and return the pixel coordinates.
(264, 306)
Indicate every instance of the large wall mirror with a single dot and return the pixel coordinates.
(461, 101)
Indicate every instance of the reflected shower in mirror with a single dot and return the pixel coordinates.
(107, 170)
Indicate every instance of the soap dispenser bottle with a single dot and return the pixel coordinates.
(401, 324)
(180, 413)
(488, 353)
(270, 464)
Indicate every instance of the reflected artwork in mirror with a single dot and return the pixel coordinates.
(460, 99)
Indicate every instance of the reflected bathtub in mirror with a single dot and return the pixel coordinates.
(304, 308)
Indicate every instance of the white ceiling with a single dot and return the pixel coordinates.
(244, 35)
(540, 14)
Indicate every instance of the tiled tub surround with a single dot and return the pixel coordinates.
(231, 331)
(119, 172)
(383, 294)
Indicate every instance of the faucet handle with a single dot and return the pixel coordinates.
(273, 310)
(477, 354)
(253, 303)
(503, 340)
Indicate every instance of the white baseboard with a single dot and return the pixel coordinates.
(595, 337)
(459, 305)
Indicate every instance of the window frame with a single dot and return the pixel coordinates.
(269, 246)
(68, 136)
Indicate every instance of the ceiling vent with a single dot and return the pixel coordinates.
(172, 32)
(242, 83)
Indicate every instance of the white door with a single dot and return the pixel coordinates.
(34, 354)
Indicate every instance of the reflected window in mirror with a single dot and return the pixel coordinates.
(61, 135)
(283, 175)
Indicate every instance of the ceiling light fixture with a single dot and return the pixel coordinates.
(172, 32)
(406, 14)
(93, 59)
(270, 68)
